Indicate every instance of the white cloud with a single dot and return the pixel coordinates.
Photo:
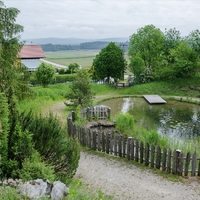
(103, 18)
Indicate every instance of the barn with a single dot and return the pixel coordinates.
(30, 56)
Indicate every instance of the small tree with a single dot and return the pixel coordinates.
(73, 68)
(45, 74)
(109, 62)
(80, 91)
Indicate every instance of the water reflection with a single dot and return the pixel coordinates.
(177, 119)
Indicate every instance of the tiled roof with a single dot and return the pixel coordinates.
(31, 51)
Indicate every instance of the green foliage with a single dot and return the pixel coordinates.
(148, 44)
(73, 68)
(4, 128)
(77, 191)
(53, 143)
(80, 91)
(34, 168)
(45, 74)
(185, 60)
(61, 71)
(109, 62)
(9, 193)
(124, 123)
(63, 78)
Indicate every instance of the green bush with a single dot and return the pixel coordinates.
(63, 78)
(124, 123)
(34, 168)
(53, 143)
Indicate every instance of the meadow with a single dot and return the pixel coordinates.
(82, 57)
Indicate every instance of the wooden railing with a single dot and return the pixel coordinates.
(165, 160)
(96, 112)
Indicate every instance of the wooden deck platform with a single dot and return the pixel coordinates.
(154, 99)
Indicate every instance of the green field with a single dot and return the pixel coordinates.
(82, 57)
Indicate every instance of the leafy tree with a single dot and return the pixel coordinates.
(45, 74)
(109, 62)
(194, 40)
(73, 68)
(185, 60)
(137, 67)
(172, 40)
(80, 91)
(148, 44)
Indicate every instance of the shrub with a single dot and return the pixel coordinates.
(34, 168)
(124, 123)
(53, 143)
(63, 78)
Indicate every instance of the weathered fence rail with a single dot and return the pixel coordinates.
(96, 112)
(165, 160)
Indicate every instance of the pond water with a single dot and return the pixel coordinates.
(176, 119)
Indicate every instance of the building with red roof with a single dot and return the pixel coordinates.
(30, 56)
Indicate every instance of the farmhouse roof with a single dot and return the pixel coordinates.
(31, 51)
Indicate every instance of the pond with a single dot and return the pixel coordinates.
(176, 119)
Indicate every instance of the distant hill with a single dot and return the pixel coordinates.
(72, 41)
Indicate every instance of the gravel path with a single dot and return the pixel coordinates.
(124, 181)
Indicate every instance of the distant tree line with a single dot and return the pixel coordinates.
(83, 46)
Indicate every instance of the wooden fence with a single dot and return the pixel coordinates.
(96, 112)
(165, 160)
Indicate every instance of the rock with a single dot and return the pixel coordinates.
(59, 190)
(38, 188)
(34, 189)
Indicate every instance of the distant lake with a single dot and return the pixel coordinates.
(176, 119)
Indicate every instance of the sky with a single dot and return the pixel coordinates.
(98, 19)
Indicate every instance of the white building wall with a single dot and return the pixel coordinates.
(32, 64)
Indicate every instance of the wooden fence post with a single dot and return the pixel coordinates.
(128, 148)
(111, 143)
(164, 159)
(94, 140)
(187, 163)
(115, 145)
(109, 113)
(107, 143)
(194, 162)
(152, 155)
(158, 157)
(136, 150)
(124, 146)
(120, 146)
(141, 152)
(199, 169)
(169, 161)
(180, 164)
(132, 149)
(103, 142)
(147, 154)
(73, 116)
(99, 140)
(174, 166)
